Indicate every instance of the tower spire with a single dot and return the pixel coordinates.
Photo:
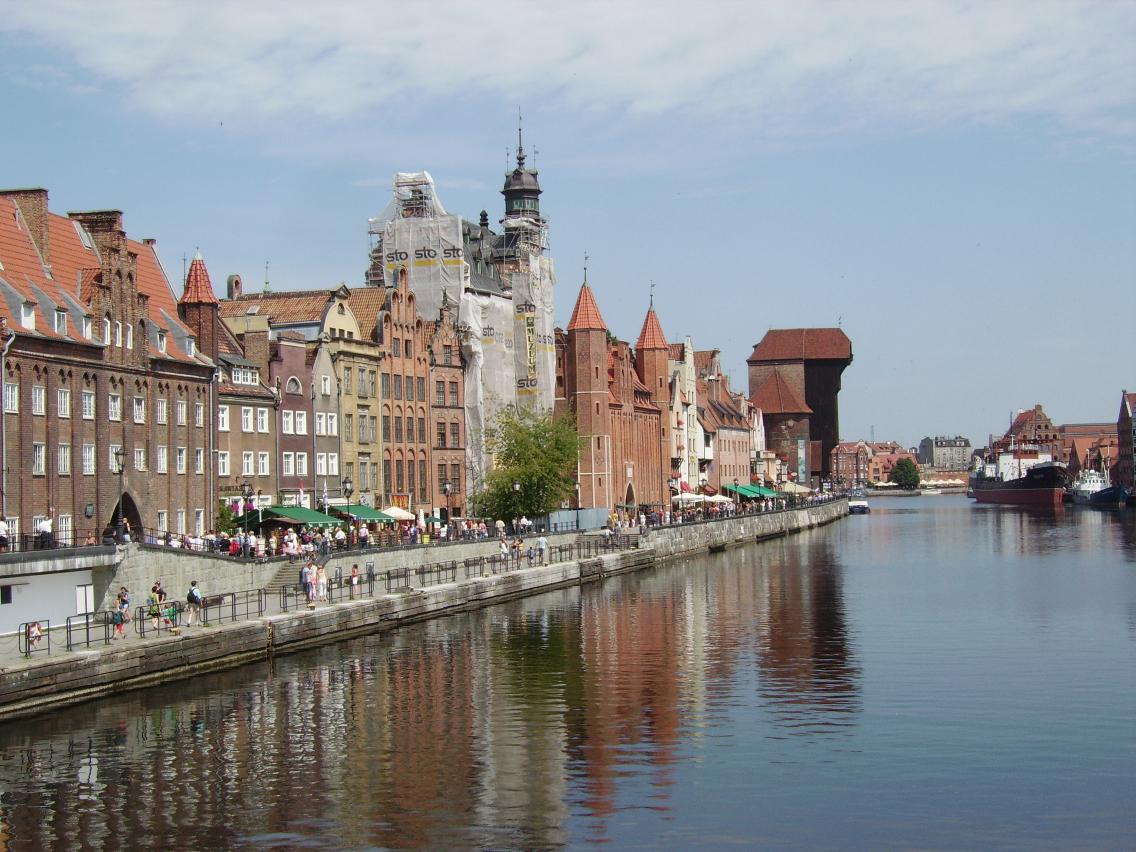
(520, 144)
(585, 267)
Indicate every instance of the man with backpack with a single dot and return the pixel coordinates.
(193, 603)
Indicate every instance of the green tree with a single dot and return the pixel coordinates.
(905, 474)
(534, 464)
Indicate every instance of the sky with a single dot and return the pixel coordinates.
(953, 184)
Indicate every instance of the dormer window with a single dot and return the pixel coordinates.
(88, 328)
(27, 315)
(61, 322)
(162, 342)
(191, 346)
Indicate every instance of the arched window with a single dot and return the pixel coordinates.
(106, 330)
(293, 385)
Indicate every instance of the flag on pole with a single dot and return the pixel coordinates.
(325, 493)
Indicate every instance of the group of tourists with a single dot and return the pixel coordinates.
(315, 582)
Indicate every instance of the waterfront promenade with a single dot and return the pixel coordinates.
(46, 680)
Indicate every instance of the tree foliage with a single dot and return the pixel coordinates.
(905, 474)
(534, 464)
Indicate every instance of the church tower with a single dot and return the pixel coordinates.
(586, 383)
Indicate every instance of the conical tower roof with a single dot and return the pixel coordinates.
(651, 337)
(198, 287)
(586, 314)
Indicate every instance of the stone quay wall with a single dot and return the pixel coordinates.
(33, 686)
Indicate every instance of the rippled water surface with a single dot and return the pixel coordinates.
(935, 674)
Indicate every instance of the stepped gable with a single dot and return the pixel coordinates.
(651, 336)
(775, 396)
(586, 314)
(802, 344)
(198, 287)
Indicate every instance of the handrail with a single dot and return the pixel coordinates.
(30, 636)
(82, 623)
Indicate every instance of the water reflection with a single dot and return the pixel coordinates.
(489, 728)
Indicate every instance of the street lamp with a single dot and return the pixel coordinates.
(516, 505)
(120, 460)
(246, 493)
(737, 496)
(577, 505)
(446, 489)
(346, 486)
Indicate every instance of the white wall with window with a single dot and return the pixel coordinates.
(288, 464)
(247, 463)
(11, 398)
(114, 406)
(87, 399)
(301, 464)
(180, 459)
(161, 459)
(39, 397)
(222, 418)
(223, 463)
(63, 459)
(262, 464)
(39, 459)
(199, 460)
(262, 420)
(246, 419)
(63, 403)
(181, 406)
(160, 410)
(88, 459)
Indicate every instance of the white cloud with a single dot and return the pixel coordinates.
(795, 67)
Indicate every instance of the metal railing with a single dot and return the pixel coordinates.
(163, 616)
(86, 627)
(234, 606)
(29, 542)
(34, 637)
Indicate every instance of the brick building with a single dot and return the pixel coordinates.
(800, 368)
(618, 398)
(447, 415)
(727, 440)
(849, 464)
(1033, 427)
(1126, 441)
(98, 367)
(880, 465)
(404, 373)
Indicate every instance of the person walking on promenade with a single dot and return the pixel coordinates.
(354, 580)
(193, 602)
(321, 577)
(364, 536)
(153, 606)
(542, 549)
(4, 532)
(118, 617)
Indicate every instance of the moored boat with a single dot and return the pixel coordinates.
(1108, 498)
(859, 507)
(1041, 485)
(1087, 484)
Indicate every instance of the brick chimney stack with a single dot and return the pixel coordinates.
(32, 204)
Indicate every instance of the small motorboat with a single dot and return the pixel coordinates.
(858, 507)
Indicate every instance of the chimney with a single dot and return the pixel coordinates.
(32, 204)
(104, 226)
(233, 288)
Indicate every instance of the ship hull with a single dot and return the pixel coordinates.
(1021, 496)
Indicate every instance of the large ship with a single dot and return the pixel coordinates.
(1043, 484)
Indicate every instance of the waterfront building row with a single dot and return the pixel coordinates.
(124, 400)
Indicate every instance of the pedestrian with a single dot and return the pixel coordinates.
(35, 633)
(364, 536)
(193, 602)
(321, 578)
(45, 534)
(118, 618)
(4, 532)
(354, 580)
(153, 606)
(542, 548)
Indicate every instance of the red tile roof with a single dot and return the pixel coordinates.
(198, 287)
(703, 360)
(293, 306)
(161, 305)
(807, 344)
(367, 303)
(651, 336)
(776, 397)
(586, 315)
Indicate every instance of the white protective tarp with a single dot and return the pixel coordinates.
(420, 236)
(535, 348)
(490, 377)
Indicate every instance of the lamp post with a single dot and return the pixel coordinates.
(120, 460)
(577, 505)
(446, 489)
(516, 506)
(737, 496)
(346, 487)
(246, 493)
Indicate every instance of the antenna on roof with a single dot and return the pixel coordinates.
(838, 321)
(651, 306)
(266, 288)
(585, 267)
(184, 273)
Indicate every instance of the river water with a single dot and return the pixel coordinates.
(936, 674)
